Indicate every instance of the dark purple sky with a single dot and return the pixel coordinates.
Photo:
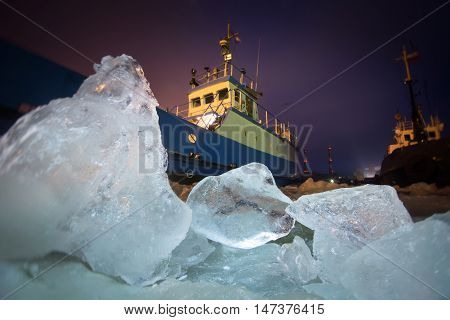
(303, 43)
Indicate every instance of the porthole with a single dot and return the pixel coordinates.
(192, 138)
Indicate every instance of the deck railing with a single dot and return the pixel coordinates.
(223, 70)
(406, 125)
(269, 121)
(180, 110)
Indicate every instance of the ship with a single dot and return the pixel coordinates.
(419, 152)
(223, 126)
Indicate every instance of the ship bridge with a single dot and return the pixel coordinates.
(227, 86)
(218, 90)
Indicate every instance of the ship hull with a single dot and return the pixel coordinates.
(194, 153)
(424, 162)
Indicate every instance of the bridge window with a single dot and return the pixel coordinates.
(432, 134)
(196, 102)
(237, 96)
(249, 106)
(407, 137)
(209, 98)
(223, 94)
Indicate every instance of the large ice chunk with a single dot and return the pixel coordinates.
(92, 167)
(297, 262)
(242, 208)
(344, 220)
(411, 262)
(71, 279)
(361, 213)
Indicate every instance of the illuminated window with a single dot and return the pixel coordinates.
(196, 102)
(209, 98)
(223, 94)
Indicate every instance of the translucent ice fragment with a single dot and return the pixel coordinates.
(88, 173)
(242, 208)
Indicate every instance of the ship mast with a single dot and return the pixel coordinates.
(225, 44)
(416, 116)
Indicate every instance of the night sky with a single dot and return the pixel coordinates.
(303, 44)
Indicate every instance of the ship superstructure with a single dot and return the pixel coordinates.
(404, 132)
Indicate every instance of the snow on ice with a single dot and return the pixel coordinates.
(92, 167)
(242, 208)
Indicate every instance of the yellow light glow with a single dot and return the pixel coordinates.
(100, 87)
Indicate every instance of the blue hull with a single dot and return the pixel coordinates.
(213, 154)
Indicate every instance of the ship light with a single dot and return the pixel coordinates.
(332, 180)
(206, 120)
